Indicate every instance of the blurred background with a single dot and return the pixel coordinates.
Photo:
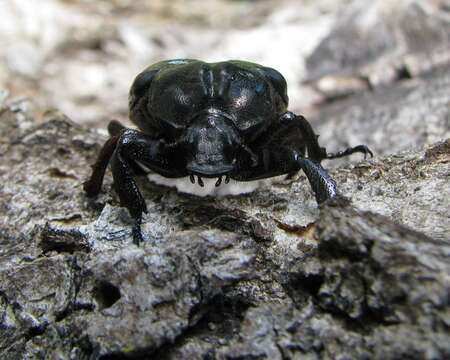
(80, 56)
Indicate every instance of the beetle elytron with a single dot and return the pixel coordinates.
(210, 120)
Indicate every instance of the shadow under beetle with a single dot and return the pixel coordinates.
(210, 120)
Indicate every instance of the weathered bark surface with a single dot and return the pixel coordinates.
(407, 114)
(378, 43)
(266, 275)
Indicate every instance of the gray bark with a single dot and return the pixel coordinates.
(266, 275)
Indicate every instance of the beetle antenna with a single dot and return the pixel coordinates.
(192, 178)
(219, 181)
(200, 181)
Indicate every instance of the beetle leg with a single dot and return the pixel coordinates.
(281, 161)
(129, 194)
(315, 151)
(324, 187)
(125, 150)
(93, 185)
(132, 148)
(360, 148)
(319, 153)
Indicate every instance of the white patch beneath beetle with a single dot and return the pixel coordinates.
(185, 185)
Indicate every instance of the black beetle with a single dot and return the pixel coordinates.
(210, 120)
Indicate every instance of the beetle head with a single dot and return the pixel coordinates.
(212, 144)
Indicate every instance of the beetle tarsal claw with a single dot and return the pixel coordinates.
(200, 181)
(219, 181)
(227, 179)
(192, 178)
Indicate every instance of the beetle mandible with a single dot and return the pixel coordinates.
(210, 120)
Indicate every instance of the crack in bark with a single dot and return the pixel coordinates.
(76, 282)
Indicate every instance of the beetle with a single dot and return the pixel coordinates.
(210, 120)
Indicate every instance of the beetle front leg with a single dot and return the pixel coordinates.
(134, 147)
(93, 185)
(275, 162)
(324, 187)
(129, 194)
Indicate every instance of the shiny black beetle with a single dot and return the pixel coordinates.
(210, 120)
